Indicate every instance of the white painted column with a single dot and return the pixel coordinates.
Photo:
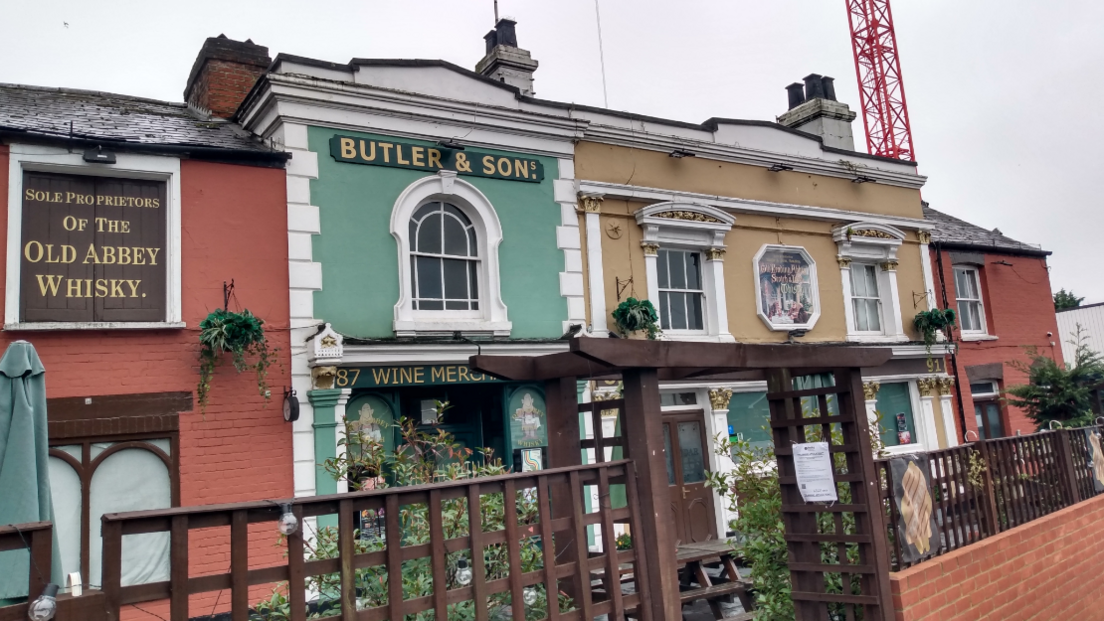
(896, 323)
(341, 432)
(714, 284)
(870, 392)
(845, 282)
(954, 437)
(651, 272)
(719, 399)
(592, 205)
(926, 266)
(568, 239)
(927, 386)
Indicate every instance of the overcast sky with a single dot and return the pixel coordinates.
(1003, 94)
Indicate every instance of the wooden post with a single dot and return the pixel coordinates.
(41, 546)
(112, 567)
(990, 495)
(564, 449)
(178, 569)
(1065, 462)
(656, 532)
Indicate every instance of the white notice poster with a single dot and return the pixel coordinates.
(813, 464)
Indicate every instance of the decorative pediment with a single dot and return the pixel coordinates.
(867, 231)
(867, 240)
(684, 222)
(686, 212)
(327, 346)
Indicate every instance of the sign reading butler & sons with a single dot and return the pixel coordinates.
(92, 249)
(431, 159)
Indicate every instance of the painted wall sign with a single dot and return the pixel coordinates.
(373, 418)
(92, 249)
(528, 421)
(425, 375)
(787, 280)
(431, 159)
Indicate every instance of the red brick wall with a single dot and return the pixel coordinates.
(223, 85)
(1043, 570)
(1019, 311)
(233, 226)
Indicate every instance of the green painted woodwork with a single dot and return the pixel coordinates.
(359, 257)
(324, 403)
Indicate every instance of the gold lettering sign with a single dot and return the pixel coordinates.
(397, 376)
(92, 249)
(434, 158)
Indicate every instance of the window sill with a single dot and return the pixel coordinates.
(450, 326)
(967, 338)
(877, 338)
(695, 337)
(92, 325)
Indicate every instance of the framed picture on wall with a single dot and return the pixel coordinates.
(787, 298)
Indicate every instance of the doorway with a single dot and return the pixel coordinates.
(685, 442)
(987, 410)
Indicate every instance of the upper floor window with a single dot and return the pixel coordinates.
(680, 290)
(971, 309)
(865, 300)
(444, 259)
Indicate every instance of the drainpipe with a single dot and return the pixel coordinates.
(954, 349)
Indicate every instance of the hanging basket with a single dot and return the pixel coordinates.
(637, 319)
(241, 335)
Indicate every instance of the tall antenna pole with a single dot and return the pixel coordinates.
(601, 52)
(496, 11)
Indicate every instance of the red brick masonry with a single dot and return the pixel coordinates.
(1044, 570)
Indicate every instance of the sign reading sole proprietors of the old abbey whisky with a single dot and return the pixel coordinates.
(433, 159)
(92, 249)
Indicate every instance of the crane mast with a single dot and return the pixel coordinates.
(881, 91)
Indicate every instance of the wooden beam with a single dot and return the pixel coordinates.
(736, 356)
(536, 368)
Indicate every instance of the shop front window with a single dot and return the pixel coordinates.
(748, 418)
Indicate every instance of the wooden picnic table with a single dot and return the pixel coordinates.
(692, 559)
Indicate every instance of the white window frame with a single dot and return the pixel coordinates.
(36, 158)
(984, 330)
(684, 225)
(877, 299)
(923, 418)
(701, 292)
(867, 243)
(491, 318)
(813, 279)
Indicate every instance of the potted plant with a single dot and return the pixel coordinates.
(637, 319)
(930, 322)
(239, 334)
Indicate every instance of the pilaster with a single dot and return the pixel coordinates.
(324, 402)
(953, 435)
(928, 387)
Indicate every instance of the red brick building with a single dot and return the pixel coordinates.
(1000, 289)
(125, 216)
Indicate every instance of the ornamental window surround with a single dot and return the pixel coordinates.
(867, 255)
(447, 234)
(684, 252)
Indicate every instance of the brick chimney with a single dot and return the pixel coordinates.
(814, 109)
(505, 61)
(223, 73)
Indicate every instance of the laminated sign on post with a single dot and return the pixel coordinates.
(813, 466)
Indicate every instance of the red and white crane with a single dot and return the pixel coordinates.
(881, 90)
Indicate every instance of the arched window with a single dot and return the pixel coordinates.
(444, 259)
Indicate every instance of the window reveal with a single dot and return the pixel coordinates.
(444, 259)
(968, 294)
(865, 298)
(680, 290)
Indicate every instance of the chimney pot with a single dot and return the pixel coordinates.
(814, 87)
(507, 35)
(504, 62)
(796, 91)
(223, 74)
(829, 86)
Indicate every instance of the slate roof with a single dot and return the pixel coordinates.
(952, 231)
(96, 115)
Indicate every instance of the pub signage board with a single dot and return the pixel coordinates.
(787, 280)
(432, 159)
(403, 376)
(92, 249)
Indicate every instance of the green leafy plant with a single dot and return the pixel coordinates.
(424, 455)
(634, 315)
(240, 335)
(1066, 299)
(931, 322)
(1058, 392)
(623, 542)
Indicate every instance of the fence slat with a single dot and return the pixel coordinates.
(439, 557)
(548, 548)
(346, 549)
(178, 562)
(582, 575)
(609, 545)
(296, 574)
(40, 561)
(479, 568)
(111, 575)
(513, 550)
(239, 565)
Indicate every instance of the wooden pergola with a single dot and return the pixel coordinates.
(642, 365)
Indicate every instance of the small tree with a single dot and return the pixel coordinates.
(1066, 299)
(1058, 392)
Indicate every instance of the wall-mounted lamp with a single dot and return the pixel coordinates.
(779, 168)
(863, 179)
(681, 153)
(45, 606)
(287, 523)
(796, 334)
(99, 156)
(450, 144)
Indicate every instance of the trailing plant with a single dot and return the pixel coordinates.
(1058, 392)
(930, 322)
(977, 468)
(240, 335)
(422, 456)
(633, 315)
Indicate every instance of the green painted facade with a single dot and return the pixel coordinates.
(359, 256)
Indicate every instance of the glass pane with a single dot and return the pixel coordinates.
(456, 305)
(429, 235)
(871, 280)
(983, 388)
(459, 214)
(895, 408)
(861, 320)
(678, 398)
(65, 490)
(966, 284)
(456, 279)
(429, 278)
(473, 279)
(678, 270)
(662, 269)
(980, 422)
(872, 315)
(667, 452)
(429, 305)
(692, 453)
(425, 210)
(968, 313)
(115, 488)
(693, 271)
(995, 424)
(665, 310)
(456, 238)
(748, 414)
(678, 311)
(473, 249)
(858, 281)
(695, 311)
(72, 449)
